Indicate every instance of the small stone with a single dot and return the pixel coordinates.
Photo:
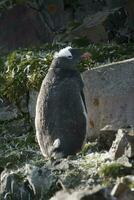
(118, 147)
(123, 144)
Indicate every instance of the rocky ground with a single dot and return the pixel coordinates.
(94, 173)
(104, 168)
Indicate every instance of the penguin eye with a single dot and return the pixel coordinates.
(70, 57)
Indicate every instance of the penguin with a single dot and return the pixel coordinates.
(61, 114)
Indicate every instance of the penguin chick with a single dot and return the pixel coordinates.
(61, 112)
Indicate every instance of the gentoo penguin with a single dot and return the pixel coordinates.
(60, 119)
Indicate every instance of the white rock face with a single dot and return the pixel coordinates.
(109, 92)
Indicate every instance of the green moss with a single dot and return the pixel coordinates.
(72, 25)
(17, 150)
(24, 71)
(131, 185)
(73, 178)
(80, 41)
(88, 147)
(105, 53)
(114, 170)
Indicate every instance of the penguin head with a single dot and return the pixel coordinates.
(67, 58)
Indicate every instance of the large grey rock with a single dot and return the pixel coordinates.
(41, 179)
(26, 183)
(17, 24)
(109, 92)
(12, 189)
(90, 27)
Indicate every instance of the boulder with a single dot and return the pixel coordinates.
(11, 187)
(90, 27)
(109, 93)
(21, 26)
(29, 182)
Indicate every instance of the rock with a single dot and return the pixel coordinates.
(46, 24)
(53, 13)
(78, 177)
(118, 147)
(106, 137)
(118, 189)
(11, 187)
(88, 8)
(90, 28)
(101, 194)
(27, 183)
(123, 144)
(42, 180)
(109, 92)
(129, 152)
(115, 3)
(17, 23)
(122, 192)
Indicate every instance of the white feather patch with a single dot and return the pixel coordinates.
(64, 53)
